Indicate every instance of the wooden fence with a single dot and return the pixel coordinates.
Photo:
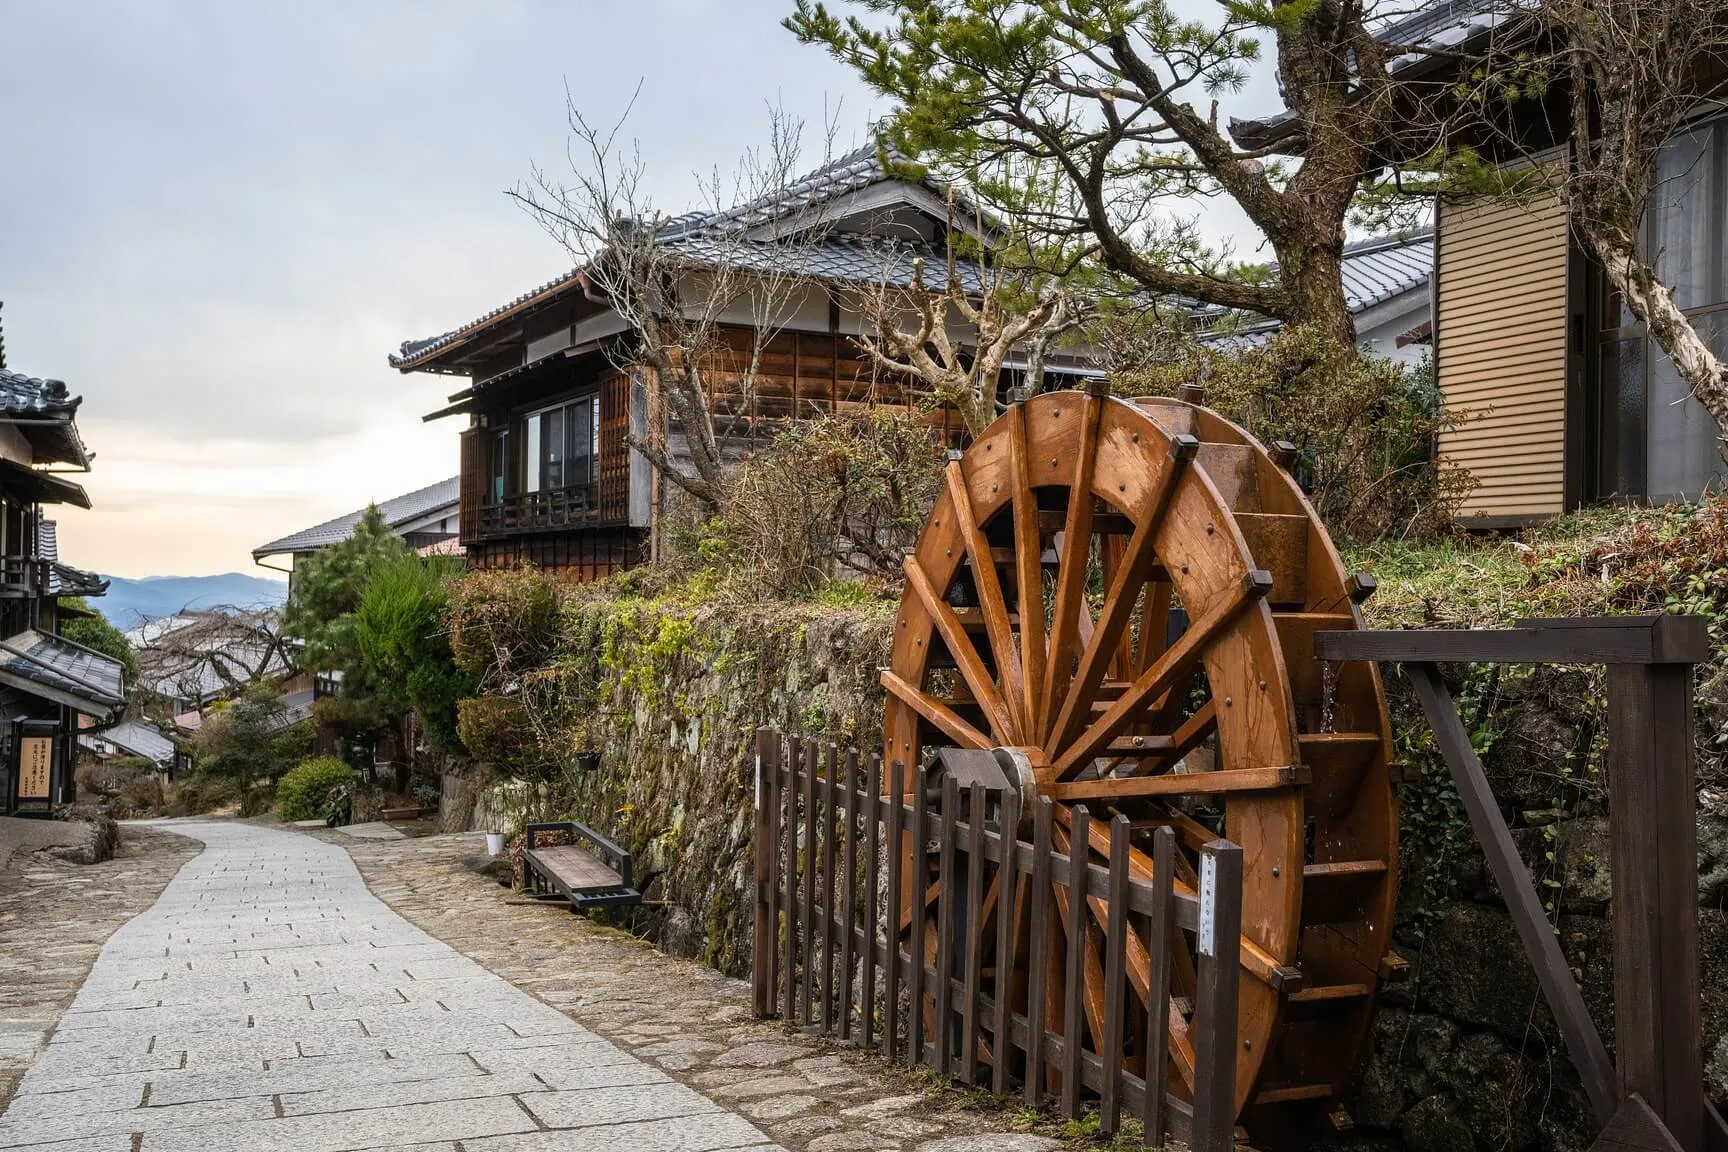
(834, 843)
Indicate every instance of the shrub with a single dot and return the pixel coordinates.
(305, 792)
(403, 631)
(503, 623)
(1364, 427)
(203, 792)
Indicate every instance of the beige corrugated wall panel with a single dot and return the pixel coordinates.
(1500, 336)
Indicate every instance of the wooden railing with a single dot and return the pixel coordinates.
(833, 848)
(528, 511)
(23, 576)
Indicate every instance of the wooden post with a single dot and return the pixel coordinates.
(973, 956)
(894, 845)
(807, 918)
(1007, 888)
(946, 921)
(1153, 1112)
(1111, 1046)
(1654, 903)
(872, 899)
(849, 892)
(1038, 895)
(1219, 944)
(789, 883)
(1583, 1044)
(762, 942)
(1073, 1015)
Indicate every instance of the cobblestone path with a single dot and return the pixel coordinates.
(687, 1019)
(54, 918)
(268, 1001)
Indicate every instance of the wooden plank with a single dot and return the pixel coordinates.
(947, 927)
(762, 938)
(937, 713)
(789, 886)
(807, 917)
(849, 893)
(1601, 640)
(1074, 996)
(825, 980)
(1111, 1048)
(989, 587)
(1653, 904)
(1028, 572)
(1008, 884)
(895, 847)
(913, 902)
(872, 899)
(1219, 946)
(974, 928)
(1039, 895)
(1182, 784)
(1583, 1044)
(960, 647)
(1160, 942)
(1636, 1128)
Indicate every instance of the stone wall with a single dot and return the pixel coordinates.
(671, 698)
(1464, 1056)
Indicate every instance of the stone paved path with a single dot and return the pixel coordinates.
(268, 1001)
(688, 1019)
(54, 918)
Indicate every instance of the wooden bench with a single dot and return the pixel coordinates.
(591, 873)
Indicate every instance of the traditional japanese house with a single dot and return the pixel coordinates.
(1562, 397)
(550, 392)
(47, 683)
(425, 518)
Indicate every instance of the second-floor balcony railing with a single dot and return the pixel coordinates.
(23, 576)
(527, 511)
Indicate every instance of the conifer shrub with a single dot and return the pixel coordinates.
(309, 790)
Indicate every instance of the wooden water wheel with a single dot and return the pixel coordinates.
(1126, 592)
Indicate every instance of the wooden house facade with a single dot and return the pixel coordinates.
(50, 687)
(552, 393)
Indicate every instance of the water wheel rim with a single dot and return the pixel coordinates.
(1138, 468)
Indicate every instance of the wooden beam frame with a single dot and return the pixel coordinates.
(1653, 846)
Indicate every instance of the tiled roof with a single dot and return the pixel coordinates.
(47, 540)
(401, 510)
(65, 580)
(137, 737)
(697, 233)
(56, 669)
(22, 395)
(1375, 270)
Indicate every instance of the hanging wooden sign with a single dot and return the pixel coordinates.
(35, 768)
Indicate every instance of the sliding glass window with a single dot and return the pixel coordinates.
(561, 444)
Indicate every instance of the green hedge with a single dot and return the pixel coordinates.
(304, 791)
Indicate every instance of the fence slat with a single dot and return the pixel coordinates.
(973, 934)
(848, 891)
(1219, 946)
(1110, 1048)
(917, 906)
(1007, 885)
(872, 862)
(807, 919)
(895, 847)
(947, 928)
(1153, 1114)
(1073, 1033)
(830, 913)
(789, 886)
(762, 939)
(1037, 968)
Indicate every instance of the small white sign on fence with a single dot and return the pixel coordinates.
(1208, 934)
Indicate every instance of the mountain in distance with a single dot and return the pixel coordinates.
(130, 602)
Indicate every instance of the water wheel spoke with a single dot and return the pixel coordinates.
(1071, 576)
(1107, 633)
(938, 713)
(966, 658)
(1154, 623)
(1163, 750)
(1157, 679)
(991, 604)
(1028, 573)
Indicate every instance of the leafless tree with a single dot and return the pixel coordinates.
(955, 335)
(680, 283)
(199, 654)
(1635, 73)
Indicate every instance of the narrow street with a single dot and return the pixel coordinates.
(269, 1001)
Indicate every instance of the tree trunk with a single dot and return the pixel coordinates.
(1652, 302)
(1313, 279)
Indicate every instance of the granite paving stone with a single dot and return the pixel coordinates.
(263, 1003)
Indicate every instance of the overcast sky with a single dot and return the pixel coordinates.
(218, 218)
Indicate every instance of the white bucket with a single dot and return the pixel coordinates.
(494, 843)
